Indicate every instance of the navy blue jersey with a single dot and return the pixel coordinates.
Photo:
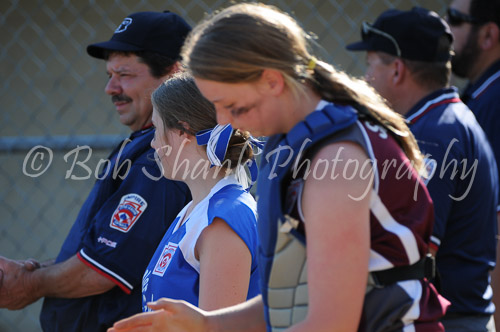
(483, 98)
(116, 233)
(174, 271)
(462, 183)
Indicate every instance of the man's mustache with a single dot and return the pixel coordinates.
(121, 97)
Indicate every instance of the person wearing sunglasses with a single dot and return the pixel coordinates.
(409, 63)
(475, 24)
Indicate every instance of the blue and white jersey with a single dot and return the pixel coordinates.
(174, 271)
(482, 97)
(463, 185)
(116, 232)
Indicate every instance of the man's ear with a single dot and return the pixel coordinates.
(271, 82)
(399, 71)
(489, 36)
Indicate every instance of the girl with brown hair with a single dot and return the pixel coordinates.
(344, 218)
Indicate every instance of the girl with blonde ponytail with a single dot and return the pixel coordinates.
(344, 218)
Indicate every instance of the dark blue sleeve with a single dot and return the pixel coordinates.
(125, 232)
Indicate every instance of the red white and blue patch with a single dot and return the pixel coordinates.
(430, 168)
(131, 207)
(165, 259)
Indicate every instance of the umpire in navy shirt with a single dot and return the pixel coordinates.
(475, 25)
(96, 278)
(408, 63)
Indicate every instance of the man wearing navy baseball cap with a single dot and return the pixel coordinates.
(96, 278)
(141, 54)
(160, 33)
(409, 63)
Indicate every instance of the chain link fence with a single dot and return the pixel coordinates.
(54, 106)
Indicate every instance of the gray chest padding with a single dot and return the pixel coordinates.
(287, 290)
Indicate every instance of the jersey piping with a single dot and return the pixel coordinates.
(486, 85)
(102, 270)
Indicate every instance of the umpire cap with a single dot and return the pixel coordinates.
(415, 34)
(161, 33)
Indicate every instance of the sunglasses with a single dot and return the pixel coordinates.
(367, 29)
(456, 18)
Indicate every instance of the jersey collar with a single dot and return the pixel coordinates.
(431, 101)
(141, 132)
(474, 90)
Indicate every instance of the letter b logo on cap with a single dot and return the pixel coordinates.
(122, 27)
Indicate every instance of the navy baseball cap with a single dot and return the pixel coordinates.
(414, 35)
(162, 33)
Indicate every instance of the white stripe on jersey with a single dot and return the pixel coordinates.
(485, 84)
(198, 221)
(402, 232)
(371, 155)
(194, 227)
(378, 262)
(108, 271)
(435, 240)
(409, 328)
(429, 103)
(414, 290)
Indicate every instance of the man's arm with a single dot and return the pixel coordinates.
(32, 264)
(22, 285)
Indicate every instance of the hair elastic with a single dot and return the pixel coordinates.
(312, 63)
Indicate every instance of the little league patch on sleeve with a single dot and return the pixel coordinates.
(131, 207)
(430, 168)
(165, 259)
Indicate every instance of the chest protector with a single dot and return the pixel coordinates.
(282, 254)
